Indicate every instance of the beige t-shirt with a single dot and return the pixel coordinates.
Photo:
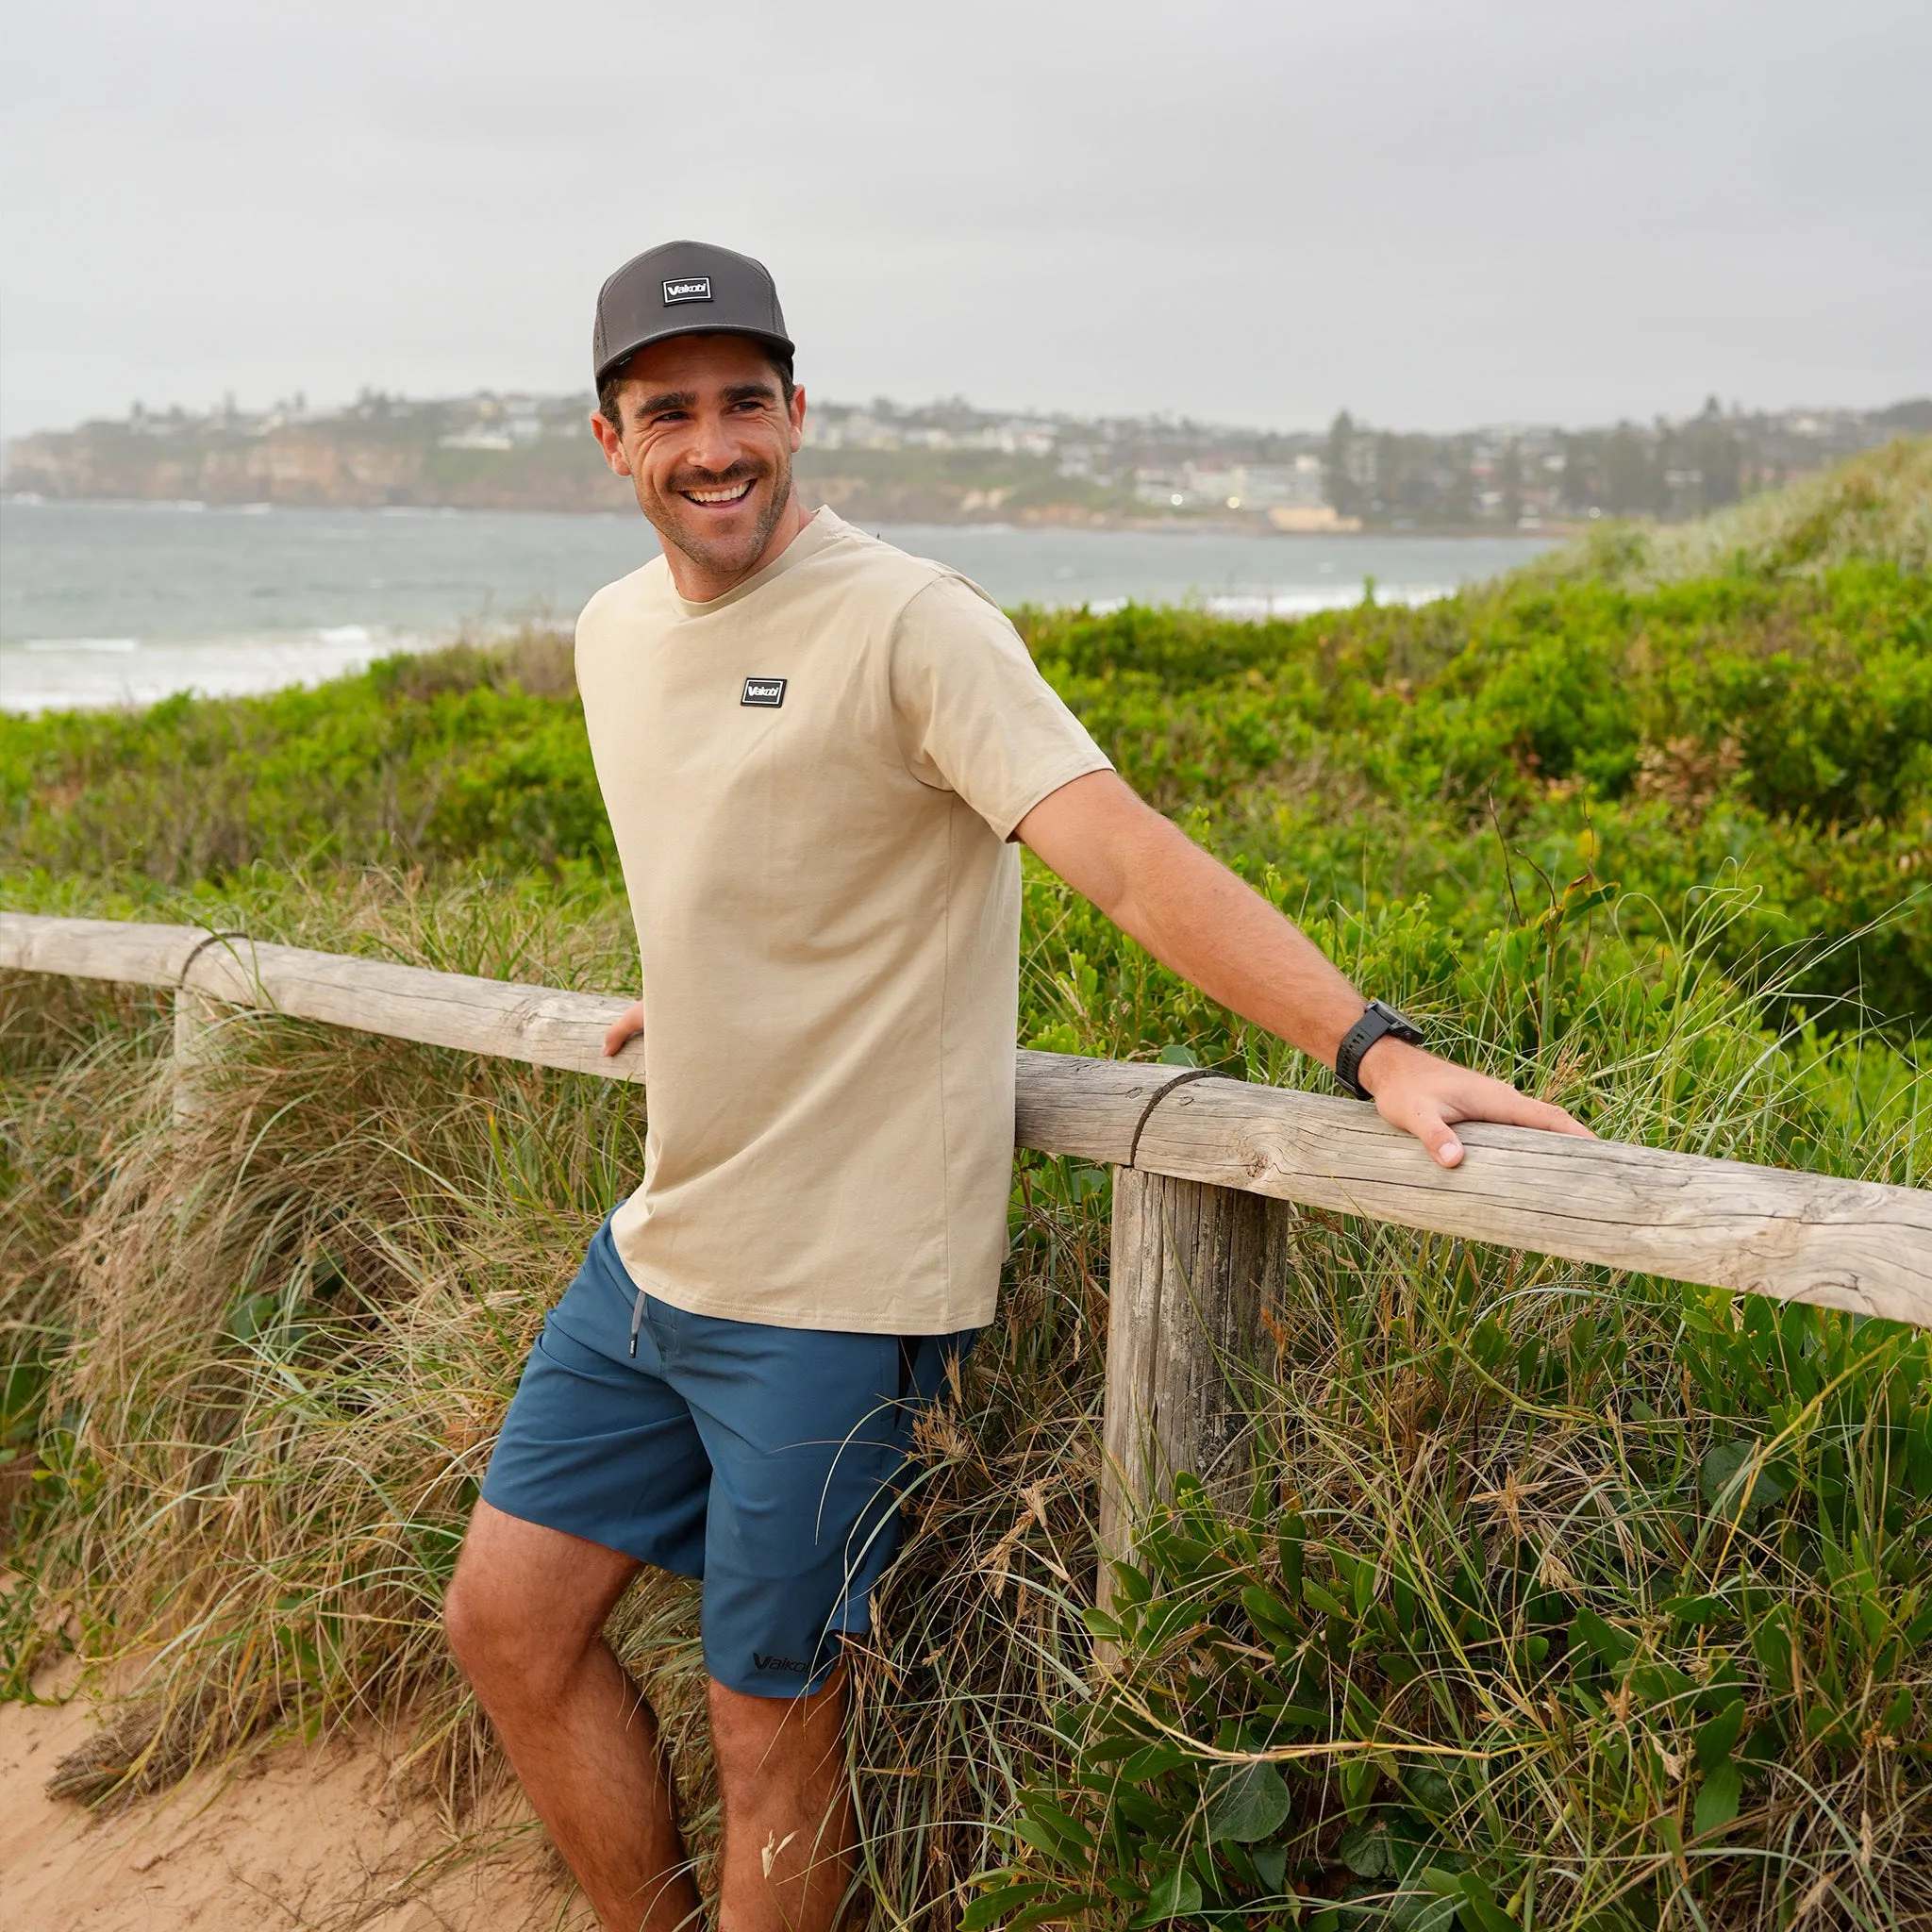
(811, 780)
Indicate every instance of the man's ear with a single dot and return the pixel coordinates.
(610, 442)
(797, 420)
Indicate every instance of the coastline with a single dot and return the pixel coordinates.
(1049, 517)
(122, 602)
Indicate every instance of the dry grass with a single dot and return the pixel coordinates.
(283, 1331)
(1877, 506)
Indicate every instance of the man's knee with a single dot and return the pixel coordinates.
(474, 1626)
(493, 1637)
(526, 1602)
(749, 1735)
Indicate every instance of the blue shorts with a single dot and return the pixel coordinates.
(766, 1460)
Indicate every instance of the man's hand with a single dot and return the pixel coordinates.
(1426, 1096)
(1194, 916)
(625, 1028)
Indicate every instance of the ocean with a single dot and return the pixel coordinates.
(125, 603)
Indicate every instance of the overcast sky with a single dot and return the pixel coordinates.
(1256, 211)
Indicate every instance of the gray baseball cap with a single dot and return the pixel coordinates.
(685, 288)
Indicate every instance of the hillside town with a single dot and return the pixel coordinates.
(948, 461)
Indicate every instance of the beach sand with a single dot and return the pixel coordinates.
(296, 1837)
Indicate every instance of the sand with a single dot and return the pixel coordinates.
(293, 1838)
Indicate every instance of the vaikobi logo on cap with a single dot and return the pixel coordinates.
(688, 289)
(764, 690)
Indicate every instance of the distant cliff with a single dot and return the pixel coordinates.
(337, 462)
(513, 454)
(950, 462)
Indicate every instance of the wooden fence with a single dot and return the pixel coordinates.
(1197, 1161)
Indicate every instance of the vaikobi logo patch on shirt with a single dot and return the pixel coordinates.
(764, 690)
(688, 289)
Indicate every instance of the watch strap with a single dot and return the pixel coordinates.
(1379, 1021)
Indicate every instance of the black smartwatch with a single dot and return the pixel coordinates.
(1380, 1019)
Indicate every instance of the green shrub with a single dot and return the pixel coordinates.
(1771, 733)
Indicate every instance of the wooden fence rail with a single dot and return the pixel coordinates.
(1197, 1159)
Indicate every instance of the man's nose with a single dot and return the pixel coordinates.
(715, 446)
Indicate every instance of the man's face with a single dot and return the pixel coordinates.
(707, 444)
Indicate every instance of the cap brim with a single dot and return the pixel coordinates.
(619, 356)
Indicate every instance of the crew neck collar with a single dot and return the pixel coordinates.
(818, 531)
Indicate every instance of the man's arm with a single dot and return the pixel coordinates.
(1196, 917)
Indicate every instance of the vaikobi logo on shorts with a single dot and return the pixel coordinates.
(688, 289)
(764, 690)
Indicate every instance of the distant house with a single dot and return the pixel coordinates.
(1162, 489)
(1300, 485)
(1293, 497)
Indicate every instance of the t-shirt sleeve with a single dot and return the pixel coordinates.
(973, 714)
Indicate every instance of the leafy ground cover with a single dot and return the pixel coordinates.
(1560, 1597)
(1766, 724)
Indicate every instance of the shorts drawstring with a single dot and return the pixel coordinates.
(637, 1322)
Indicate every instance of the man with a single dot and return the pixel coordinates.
(816, 753)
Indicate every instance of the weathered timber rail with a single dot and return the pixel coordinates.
(1198, 1160)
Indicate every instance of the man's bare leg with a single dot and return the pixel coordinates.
(789, 1834)
(525, 1616)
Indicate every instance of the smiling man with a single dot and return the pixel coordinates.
(817, 754)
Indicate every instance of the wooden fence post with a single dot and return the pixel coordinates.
(196, 1017)
(1188, 1267)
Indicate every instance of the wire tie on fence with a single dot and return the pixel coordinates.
(1155, 1099)
(197, 949)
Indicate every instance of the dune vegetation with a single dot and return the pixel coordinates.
(1562, 1598)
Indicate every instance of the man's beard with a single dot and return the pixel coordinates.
(735, 553)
